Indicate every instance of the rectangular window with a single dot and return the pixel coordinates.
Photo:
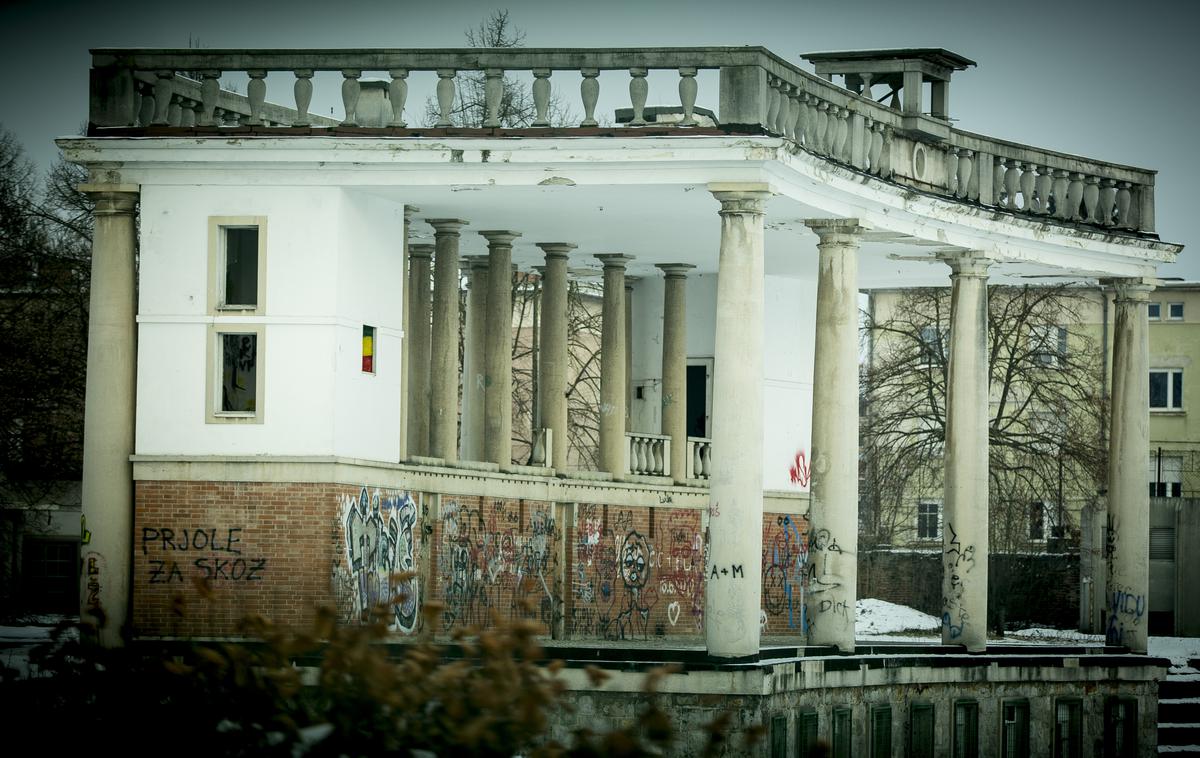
(1166, 475)
(237, 264)
(965, 742)
(368, 349)
(1166, 389)
(1014, 729)
(1068, 729)
(1048, 345)
(779, 737)
(1175, 311)
(842, 722)
(1154, 311)
(929, 521)
(806, 734)
(932, 340)
(920, 731)
(1037, 521)
(1120, 727)
(881, 731)
(235, 369)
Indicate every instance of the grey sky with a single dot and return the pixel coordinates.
(1108, 80)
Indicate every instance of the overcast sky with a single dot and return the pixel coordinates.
(1107, 80)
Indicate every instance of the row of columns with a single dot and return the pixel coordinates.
(733, 567)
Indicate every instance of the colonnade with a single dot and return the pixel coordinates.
(430, 407)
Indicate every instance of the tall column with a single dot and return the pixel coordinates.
(734, 568)
(629, 280)
(965, 525)
(833, 502)
(674, 364)
(443, 366)
(109, 414)
(475, 341)
(406, 320)
(612, 365)
(419, 316)
(1127, 593)
(497, 423)
(552, 351)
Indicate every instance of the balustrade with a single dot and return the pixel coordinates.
(699, 457)
(648, 454)
(144, 88)
(542, 452)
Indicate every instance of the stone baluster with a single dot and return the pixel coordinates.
(1028, 178)
(687, 94)
(813, 128)
(831, 131)
(697, 460)
(965, 163)
(589, 90)
(642, 458)
(218, 117)
(999, 171)
(887, 165)
(1124, 196)
(1012, 184)
(493, 90)
(822, 146)
(1108, 200)
(661, 457)
(1075, 196)
(1043, 185)
(875, 155)
(209, 87)
(302, 92)
(1091, 198)
(445, 95)
(175, 112)
(163, 88)
(950, 162)
(841, 150)
(398, 96)
(1061, 188)
(772, 103)
(541, 97)
(783, 121)
(638, 89)
(866, 86)
(256, 93)
(706, 459)
(798, 112)
(350, 92)
(188, 115)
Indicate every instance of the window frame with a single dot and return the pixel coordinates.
(1067, 745)
(927, 740)
(1171, 316)
(1154, 311)
(1171, 398)
(1048, 345)
(1023, 747)
(217, 261)
(937, 526)
(215, 377)
(374, 354)
(970, 738)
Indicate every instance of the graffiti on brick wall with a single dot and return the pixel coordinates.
(500, 557)
(378, 529)
(629, 582)
(221, 556)
(785, 572)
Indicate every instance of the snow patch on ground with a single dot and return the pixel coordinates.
(874, 617)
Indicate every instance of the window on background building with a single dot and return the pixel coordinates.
(1048, 345)
(929, 521)
(1068, 729)
(1120, 727)
(806, 733)
(1014, 729)
(1166, 475)
(1154, 311)
(842, 723)
(920, 733)
(1166, 388)
(237, 263)
(236, 374)
(368, 349)
(965, 742)
(779, 736)
(932, 341)
(1175, 311)
(1037, 521)
(881, 731)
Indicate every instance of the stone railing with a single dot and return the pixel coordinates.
(699, 457)
(758, 91)
(648, 454)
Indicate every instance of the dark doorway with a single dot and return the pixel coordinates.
(697, 405)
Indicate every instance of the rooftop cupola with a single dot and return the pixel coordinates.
(904, 71)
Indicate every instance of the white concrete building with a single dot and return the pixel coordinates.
(233, 415)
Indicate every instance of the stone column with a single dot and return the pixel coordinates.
(629, 280)
(419, 257)
(1128, 588)
(552, 351)
(406, 324)
(497, 418)
(833, 502)
(109, 415)
(475, 341)
(612, 365)
(674, 364)
(965, 524)
(734, 567)
(443, 366)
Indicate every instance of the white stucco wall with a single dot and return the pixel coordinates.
(328, 270)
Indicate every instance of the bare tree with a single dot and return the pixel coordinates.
(516, 101)
(1046, 455)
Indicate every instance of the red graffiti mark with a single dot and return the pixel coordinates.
(799, 469)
